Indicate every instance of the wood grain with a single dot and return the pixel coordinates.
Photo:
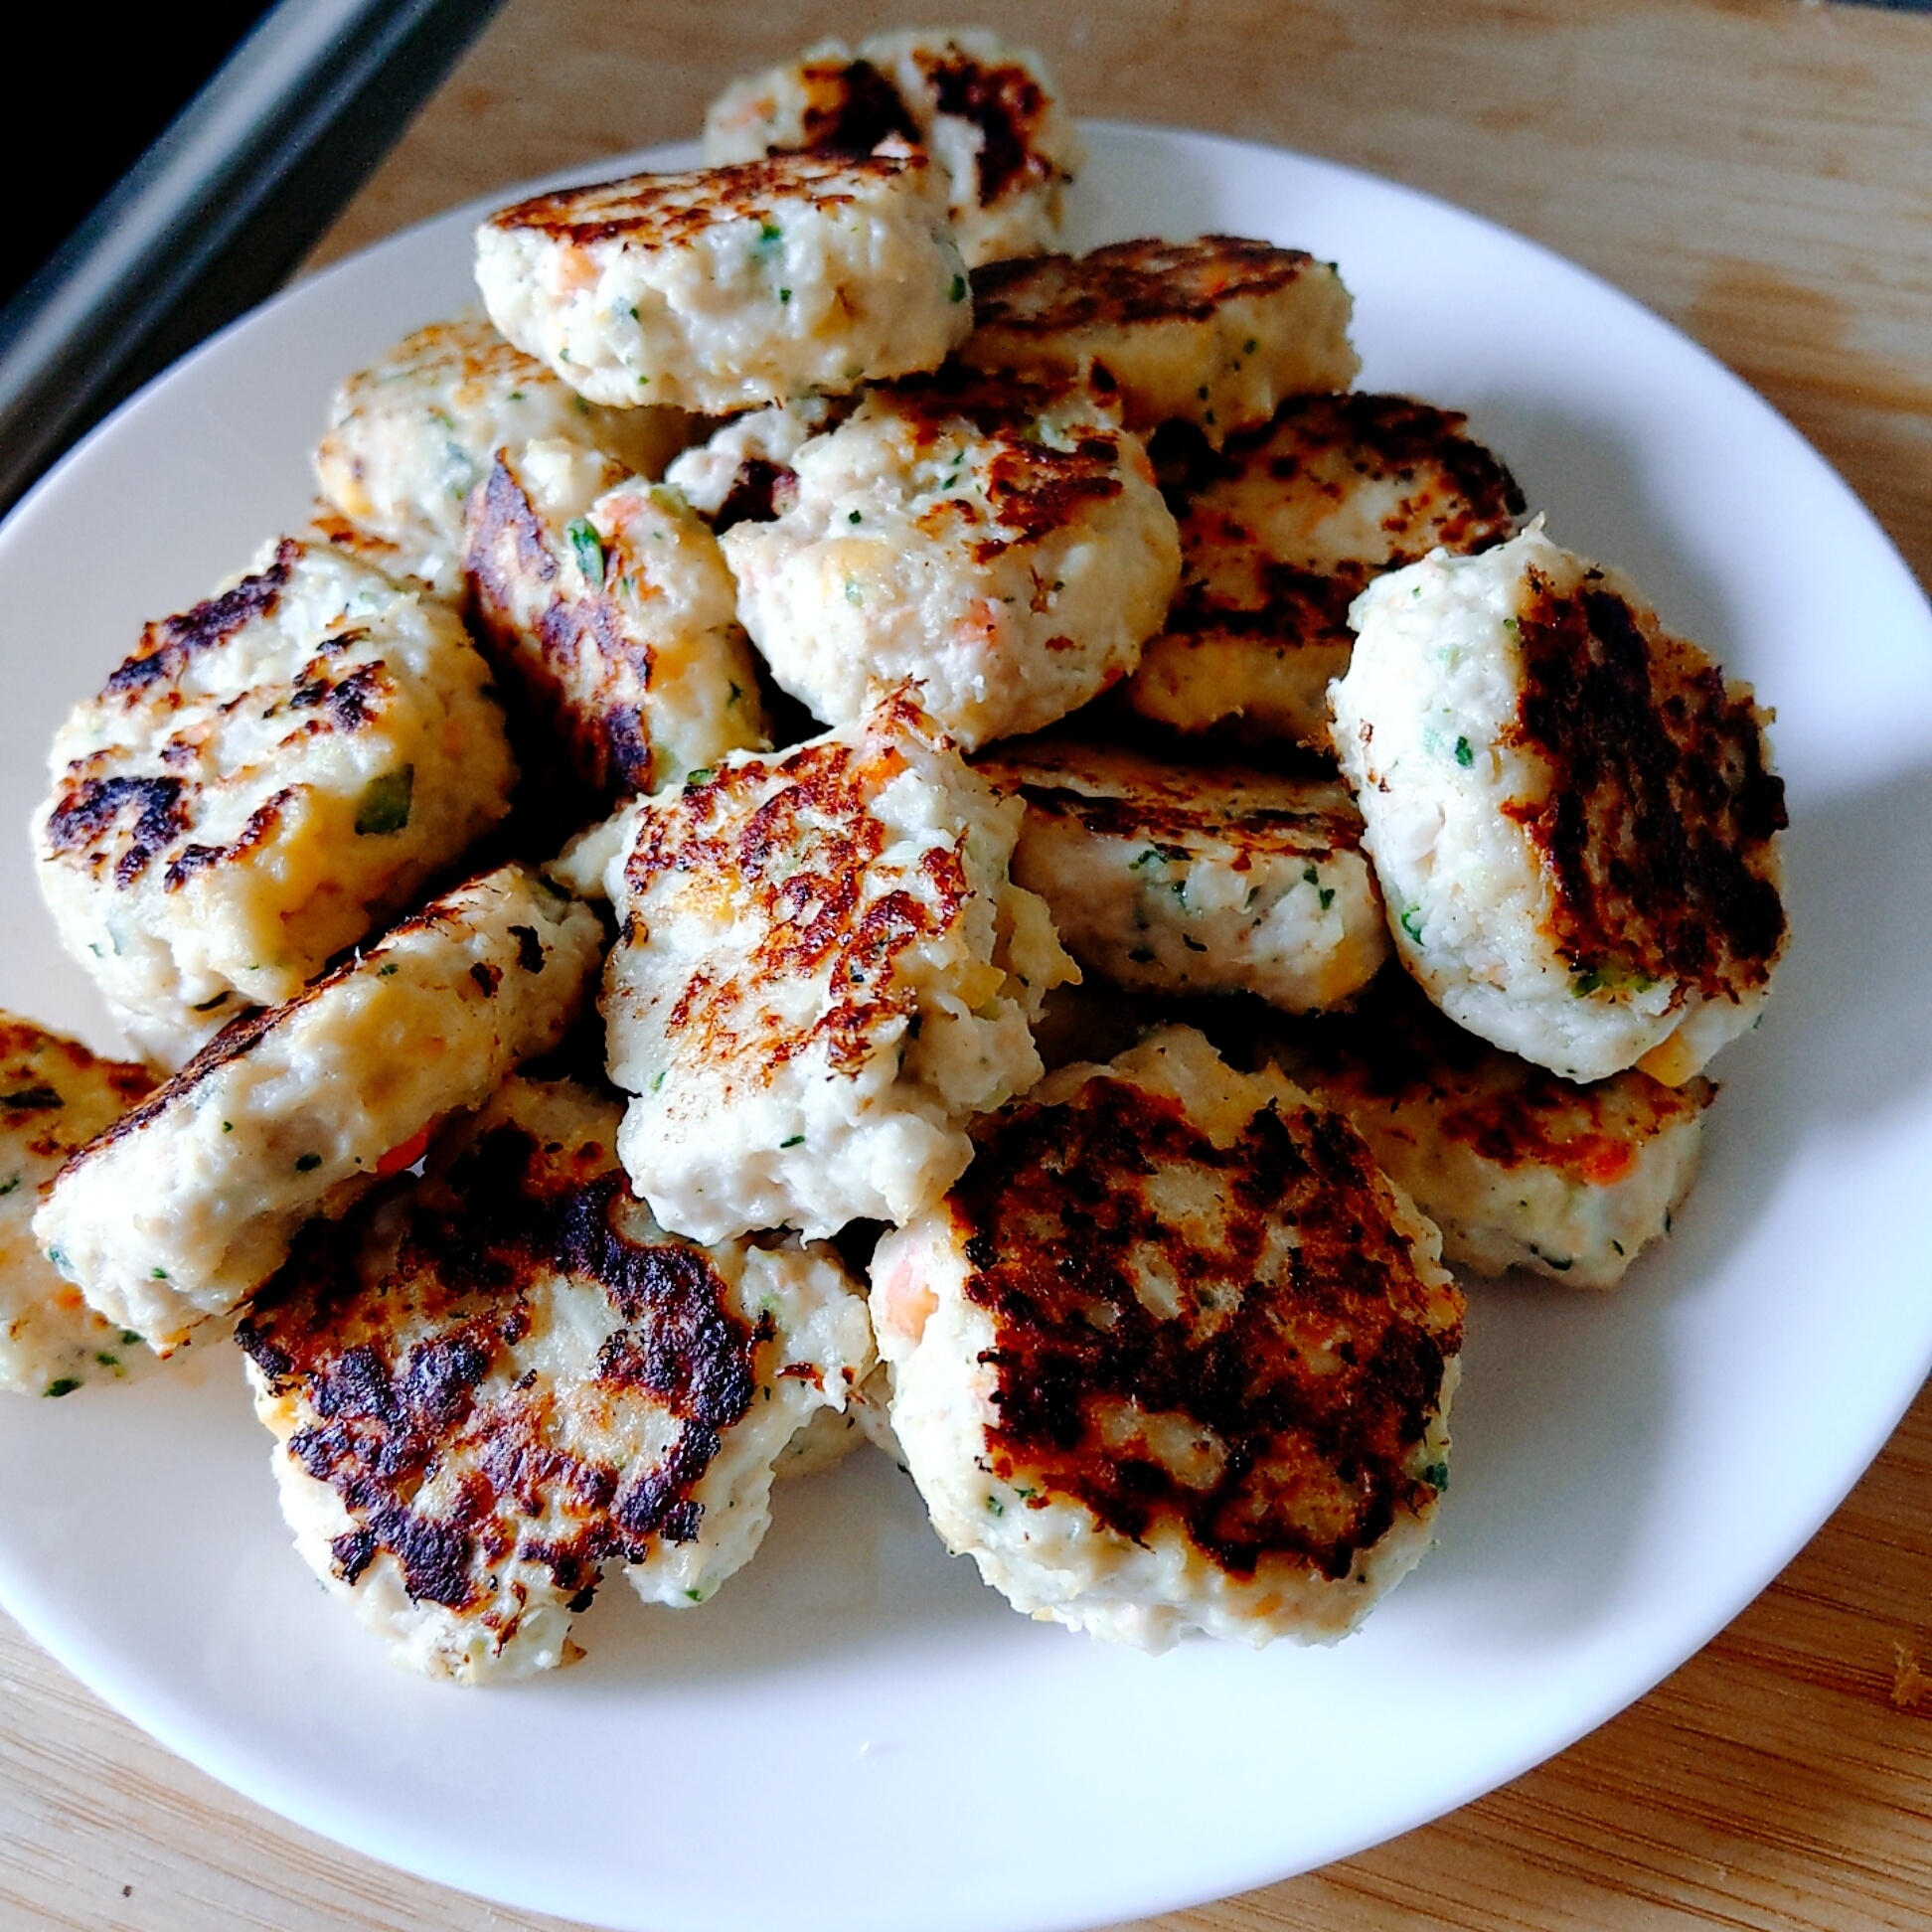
(1761, 172)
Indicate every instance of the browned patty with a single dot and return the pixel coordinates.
(388, 1327)
(659, 209)
(1130, 282)
(1250, 568)
(850, 107)
(1657, 827)
(791, 843)
(1395, 1051)
(1300, 1333)
(1173, 807)
(35, 1070)
(1005, 101)
(1032, 489)
(577, 660)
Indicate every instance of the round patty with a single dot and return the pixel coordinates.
(1174, 1353)
(1571, 811)
(488, 1390)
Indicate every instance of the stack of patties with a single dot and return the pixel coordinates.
(744, 454)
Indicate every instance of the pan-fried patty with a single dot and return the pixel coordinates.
(54, 1097)
(606, 599)
(1183, 880)
(1571, 811)
(1281, 532)
(1001, 543)
(986, 111)
(264, 779)
(1174, 1353)
(1215, 332)
(1519, 1168)
(488, 1390)
(821, 972)
(187, 1203)
(730, 288)
(412, 435)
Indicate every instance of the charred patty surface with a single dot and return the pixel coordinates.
(1174, 1353)
(488, 1390)
(1283, 529)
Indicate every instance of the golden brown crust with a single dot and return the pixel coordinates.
(121, 823)
(389, 1361)
(789, 840)
(656, 211)
(1303, 1339)
(40, 1074)
(1032, 489)
(1396, 1051)
(849, 108)
(1006, 103)
(1171, 806)
(600, 715)
(1657, 825)
(244, 1032)
(1240, 578)
(1131, 282)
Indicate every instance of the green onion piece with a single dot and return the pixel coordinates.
(385, 805)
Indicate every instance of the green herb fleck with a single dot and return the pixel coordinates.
(736, 695)
(1413, 923)
(129, 1337)
(854, 517)
(1326, 896)
(797, 1139)
(1249, 346)
(384, 803)
(1464, 755)
(994, 1504)
(853, 594)
(388, 970)
(589, 547)
(12, 1182)
(657, 1085)
(106, 1359)
(307, 1163)
(62, 1385)
(770, 232)
(1437, 1476)
(784, 295)
(959, 289)
(701, 775)
(1192, 943)
(1617, 1244)
(158, 1274)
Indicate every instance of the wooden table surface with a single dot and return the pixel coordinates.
(1760, 171)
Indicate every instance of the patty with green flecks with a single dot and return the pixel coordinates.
(266, 778)
(488, 1390)
(54, 1097)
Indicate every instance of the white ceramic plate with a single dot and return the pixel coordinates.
(856, 1734)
